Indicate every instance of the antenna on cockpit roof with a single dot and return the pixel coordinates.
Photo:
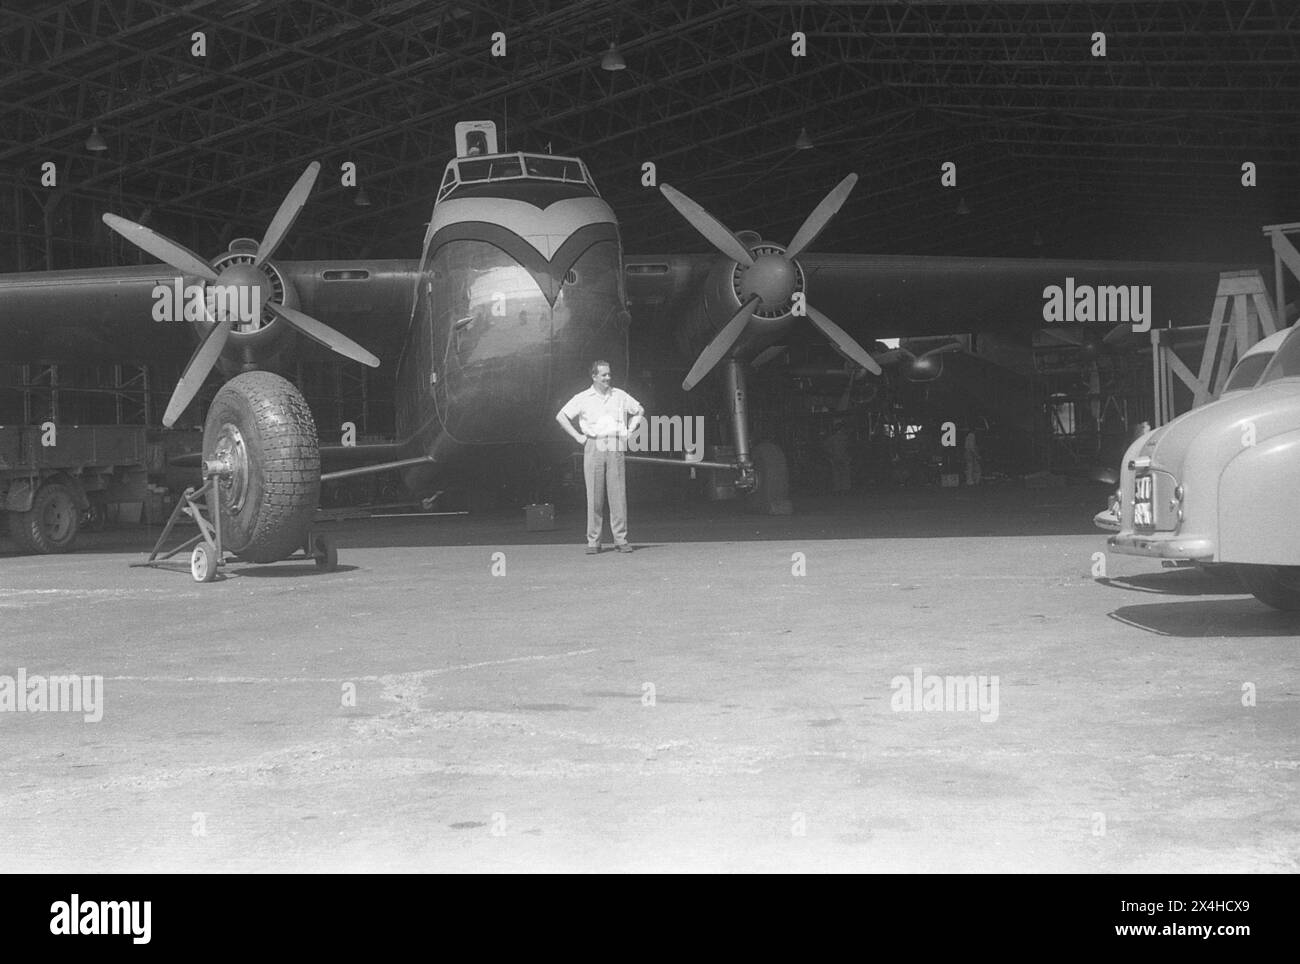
(476, 137)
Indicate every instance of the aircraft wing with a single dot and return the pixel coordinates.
(882, 296)
(105, 315)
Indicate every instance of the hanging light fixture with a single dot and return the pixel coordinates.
(613, 60)
(803, 142)
(1038, 240)
(962, 209)
(362, 200)
(95, 142)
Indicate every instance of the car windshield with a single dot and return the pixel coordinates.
(1286, 363)
(1247, 372)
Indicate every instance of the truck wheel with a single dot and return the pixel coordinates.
(1278, 586)
(771, 495)
(51, 524)
(259, 426)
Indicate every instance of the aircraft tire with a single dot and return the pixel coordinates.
(1277, 586)
(52, 523)
(771, 495)
(260, 424)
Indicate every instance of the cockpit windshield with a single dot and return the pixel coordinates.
(464, 171)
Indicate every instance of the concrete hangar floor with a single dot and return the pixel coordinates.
(696, 705)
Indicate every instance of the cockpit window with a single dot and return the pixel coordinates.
(1286, 363)
(1247, 372)
(511, 167)
(490, 169)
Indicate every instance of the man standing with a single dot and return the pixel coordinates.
(602, 430)
(837, 449)
(972, 452)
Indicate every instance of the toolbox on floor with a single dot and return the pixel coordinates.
(539, 518)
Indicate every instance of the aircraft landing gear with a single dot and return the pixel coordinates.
(260, 430)
(261, 482)
(764, 474)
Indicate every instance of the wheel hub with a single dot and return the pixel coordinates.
(57, 517)
(244, 294)
(231, 452)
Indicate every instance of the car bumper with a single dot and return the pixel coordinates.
(1163, 545)
(1107, 519)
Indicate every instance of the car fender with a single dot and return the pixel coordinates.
(1259, 503)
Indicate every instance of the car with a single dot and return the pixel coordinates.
(1220, 485)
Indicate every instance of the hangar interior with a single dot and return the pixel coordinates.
(191, 121)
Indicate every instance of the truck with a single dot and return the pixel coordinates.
(52, 478)
(1220, 485)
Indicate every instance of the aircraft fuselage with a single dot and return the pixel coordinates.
(519, 289)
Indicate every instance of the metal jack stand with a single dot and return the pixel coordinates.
(204, 507)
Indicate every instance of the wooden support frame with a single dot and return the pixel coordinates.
(1252, 318)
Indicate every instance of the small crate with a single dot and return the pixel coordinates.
(949, 480)
(539, 518)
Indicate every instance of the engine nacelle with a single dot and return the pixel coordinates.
(777, 280)
(254, 342)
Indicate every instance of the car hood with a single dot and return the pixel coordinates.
(1167, 446)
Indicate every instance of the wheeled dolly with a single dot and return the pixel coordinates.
(203, 505)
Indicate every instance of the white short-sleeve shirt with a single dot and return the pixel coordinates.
(602, 416)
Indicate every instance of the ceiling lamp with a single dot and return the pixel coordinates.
(962, 209)
(362, 200)
(95, 142)
(803, 142)
(613, 60)
(1038, 240)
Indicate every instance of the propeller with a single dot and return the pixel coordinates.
(323, 334)
(768, 279)
(821, 216)
(196, 370)
(177, 255)
(919, 362)
(714, 230)
(184, 260)
(721, 343)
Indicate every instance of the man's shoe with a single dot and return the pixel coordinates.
(593, 550)
(623, 547)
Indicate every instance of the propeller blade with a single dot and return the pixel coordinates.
(721, 344)
(821, 216)
(1064, 336)
(709, 226)
(325, 335)
(766, 355)
(950, 346)
(290, 208)
(178, 256)
(893, 355)
(842, 341)
(196, 372)
(1120, 335)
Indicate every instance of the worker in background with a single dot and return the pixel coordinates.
(970, 448)
(837, 449)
